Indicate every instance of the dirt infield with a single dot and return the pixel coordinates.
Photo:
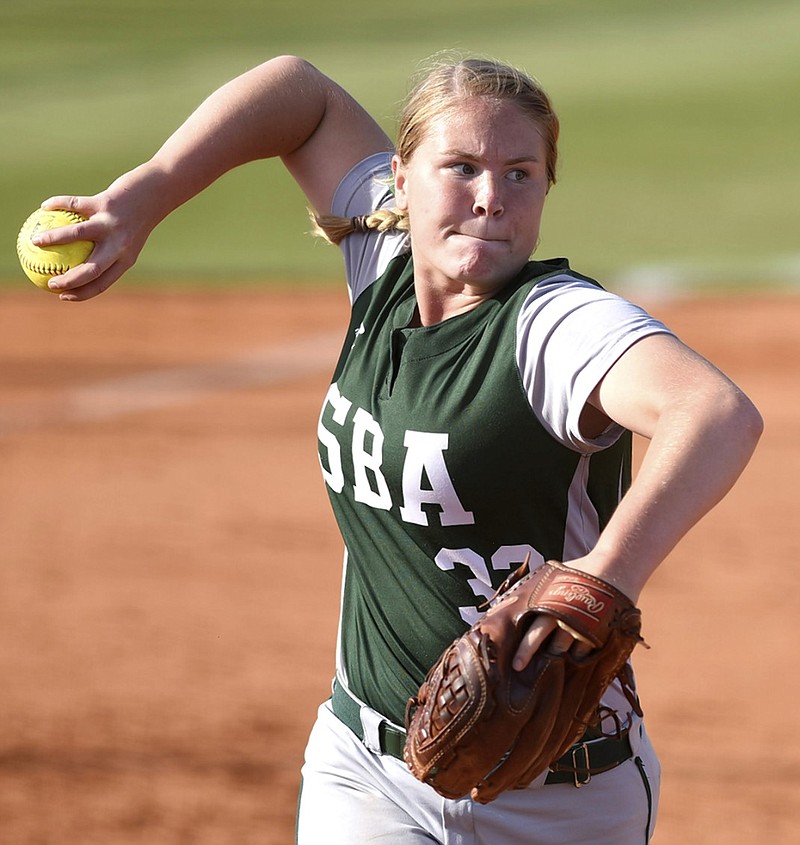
(162, 513)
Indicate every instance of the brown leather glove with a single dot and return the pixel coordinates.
(478, 726)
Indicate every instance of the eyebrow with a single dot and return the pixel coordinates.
(473, 157)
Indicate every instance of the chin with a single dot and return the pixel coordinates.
(490, 273)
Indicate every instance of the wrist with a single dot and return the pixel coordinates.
(614, 569)
(150, 190)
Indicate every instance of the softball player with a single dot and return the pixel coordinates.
(481, 410)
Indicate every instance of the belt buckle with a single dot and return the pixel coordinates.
(581, 774)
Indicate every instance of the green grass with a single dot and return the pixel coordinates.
(679, 121)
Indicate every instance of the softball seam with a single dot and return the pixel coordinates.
(23, 243)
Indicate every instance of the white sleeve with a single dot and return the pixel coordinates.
(366, 188)
(569, 334)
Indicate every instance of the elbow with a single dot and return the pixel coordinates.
(744, 421)
(294, 67)
(752, 422)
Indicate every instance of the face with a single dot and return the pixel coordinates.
(474, 190)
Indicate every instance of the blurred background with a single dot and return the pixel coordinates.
(680, 122)
(160, 502)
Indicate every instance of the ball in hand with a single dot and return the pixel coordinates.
(42, 263)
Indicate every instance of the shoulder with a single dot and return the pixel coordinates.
(569, 332)
(553, 292)
(365, 188)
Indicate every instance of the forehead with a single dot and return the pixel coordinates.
(485, 127)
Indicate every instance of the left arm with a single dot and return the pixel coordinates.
(702, 431)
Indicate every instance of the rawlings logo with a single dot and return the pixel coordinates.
(575, 594)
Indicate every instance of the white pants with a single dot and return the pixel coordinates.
(351, 795)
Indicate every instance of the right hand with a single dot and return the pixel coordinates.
(120, 221)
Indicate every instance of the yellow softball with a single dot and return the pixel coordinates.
(42, 263)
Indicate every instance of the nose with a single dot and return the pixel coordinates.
(487, 201)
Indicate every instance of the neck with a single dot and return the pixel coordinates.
(435, 305)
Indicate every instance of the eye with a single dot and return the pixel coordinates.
(517, 175)
(463, 168)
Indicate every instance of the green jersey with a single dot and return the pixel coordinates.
(448, 458)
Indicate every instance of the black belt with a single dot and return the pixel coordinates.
(582, 761)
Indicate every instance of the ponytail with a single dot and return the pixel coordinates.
(336, 229)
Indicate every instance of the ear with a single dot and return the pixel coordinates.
(399, 179)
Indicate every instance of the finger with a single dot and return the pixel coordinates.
(88, 291)
(533, 639)
(91, 229)
(81, 288)
(62, 235)
(580, 650)
(560, 643)
(89, 279)
(83, 205)
(94, 287)
(78, 276)
(581, 645)
(558, 639)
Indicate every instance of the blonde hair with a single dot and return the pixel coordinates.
(441, 89)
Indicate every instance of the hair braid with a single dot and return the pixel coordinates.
(335, 229)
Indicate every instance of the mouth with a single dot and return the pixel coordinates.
(483, 238)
